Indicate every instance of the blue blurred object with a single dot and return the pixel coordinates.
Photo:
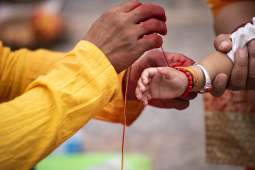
(73, 145)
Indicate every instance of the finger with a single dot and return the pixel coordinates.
(219, 85)
(176, 60)
(147, 11)
(155, 58)
(168, 72)
(149, 42)
(223, 43)
(146, 88)
(251, 74)
(138, 93)
(141, 85)
(143, 88)
(146, 96)
(239, 73)
(127, 6)
(151, 26)
(146, 76)
(146, 81)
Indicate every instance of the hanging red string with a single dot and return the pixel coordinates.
(125, 115)
(125, 107)
(165, 56)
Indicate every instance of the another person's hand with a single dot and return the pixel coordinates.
(243, 73)
(125, 32)
(155, 58)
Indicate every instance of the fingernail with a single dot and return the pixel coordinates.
(221, 80)
(242, 53)
(223, 44)
(252, 44)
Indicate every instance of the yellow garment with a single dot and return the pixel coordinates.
(56, 105)
(217, 5)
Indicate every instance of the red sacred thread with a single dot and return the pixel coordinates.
(125, 108)
(165, 56)
(125, 115)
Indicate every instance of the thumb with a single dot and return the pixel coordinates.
(167, 72)
(223, 43)
(219, 85)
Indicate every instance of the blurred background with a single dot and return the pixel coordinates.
(159, 139)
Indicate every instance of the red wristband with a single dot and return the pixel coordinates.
(190, 82)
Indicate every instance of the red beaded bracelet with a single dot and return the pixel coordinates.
(190, 82)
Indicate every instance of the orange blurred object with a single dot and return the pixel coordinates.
(47, 26)
(42, 28)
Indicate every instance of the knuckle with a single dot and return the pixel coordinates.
(241, 63)
(108, 12)
(154, 23)
(221, 36)
(238, 85)
(218, 38)
(252, 76)
(148, 8)
(121, 22)
(217, 41)
(251, 48)
(252, 54)
(111, 12)
(132, 45)
(157, 41)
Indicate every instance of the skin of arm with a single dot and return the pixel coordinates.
(228, 19)
(233, 15)
(214, 63)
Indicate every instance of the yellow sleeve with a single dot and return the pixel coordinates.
(20, 68)
(55, 106)
(114, 111)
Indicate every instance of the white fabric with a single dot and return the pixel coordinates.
(241, 37)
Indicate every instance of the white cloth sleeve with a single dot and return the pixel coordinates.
(241, 37)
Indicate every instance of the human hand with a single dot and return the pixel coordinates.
(243, 73)
(160, 83)
(125, 32)
(155, 58)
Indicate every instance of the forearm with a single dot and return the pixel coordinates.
(214, 63)
(55, 106)
(20, 68)
(233, 15)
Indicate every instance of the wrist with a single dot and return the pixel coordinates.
(200, 77)
(208, 85)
